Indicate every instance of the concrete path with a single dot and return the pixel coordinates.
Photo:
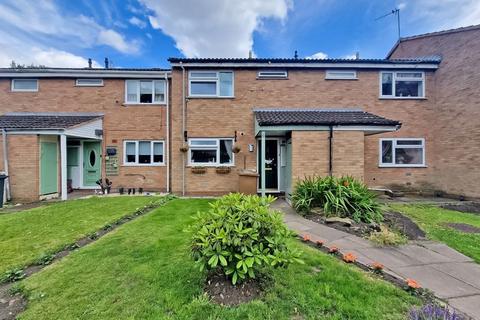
(452, 276)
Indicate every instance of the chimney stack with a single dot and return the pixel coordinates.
(357, 55)
(106, 63)
(296, 54)
(250, 54)
(90, 63)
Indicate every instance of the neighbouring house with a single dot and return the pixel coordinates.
(394, 123)
(67, 128)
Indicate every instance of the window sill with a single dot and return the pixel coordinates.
(144, 104)
(346, 79)
(191, 165)
(402, 98)
(31, 91)
(272, 78)
(143, 165)
(208, 97)
(402, 166)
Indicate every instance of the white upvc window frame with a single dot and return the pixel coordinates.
(394, 80)
(215, 80)
(137, 154)
(12, 86)
(272, 74)
(209, 147)
(78, 84)
(341, 74)
(137, 102)
(395, 146)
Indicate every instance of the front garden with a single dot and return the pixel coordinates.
(145, 270)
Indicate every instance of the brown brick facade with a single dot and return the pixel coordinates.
(454, 125)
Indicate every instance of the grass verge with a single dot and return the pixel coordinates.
(433, 220)
(143, 270)
(27, 236)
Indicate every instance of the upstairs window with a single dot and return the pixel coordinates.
(402, 152)
(89, 82)
(25, 85)
(341, 75)
(272, 74)
(143, 152)
(402, 84)
(145, 91)
(210, 151)
(211, 84)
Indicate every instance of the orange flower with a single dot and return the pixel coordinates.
(320, 243)
(377, 266)
(333, 249)
(413, 284)
(349, 257)
(306, 238)
(346, 183)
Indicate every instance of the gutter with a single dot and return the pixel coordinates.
(167, 101)
(330, 151)
(183, 126)
(5, 165)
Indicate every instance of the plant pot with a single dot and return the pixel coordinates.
(184, 148)
(236, 149)
(199, 170)
(223, 170)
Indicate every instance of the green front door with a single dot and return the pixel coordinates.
(92, 164)
(48, 167)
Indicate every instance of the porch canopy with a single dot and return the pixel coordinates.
(62, 124)
(278, 122)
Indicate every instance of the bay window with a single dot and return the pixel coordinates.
(212, 152)
(402, 84)
(402, 152)
(145, 91)
(142, 152)
(211, 84)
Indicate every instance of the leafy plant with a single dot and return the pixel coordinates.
(240, 236)
(13, 275)
(344, 197)
(45, 259)
(433, 311)
(387, 237)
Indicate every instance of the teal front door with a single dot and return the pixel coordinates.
(92, 164)
(48, 168)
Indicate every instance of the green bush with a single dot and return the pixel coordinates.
(240, 236)
(344, 197)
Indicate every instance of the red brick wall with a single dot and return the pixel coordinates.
(218, 117)
(121, 122)
(457, 109)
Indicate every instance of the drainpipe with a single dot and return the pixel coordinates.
(183, 126)
(167, 142)
(330, 152)
(5, 165)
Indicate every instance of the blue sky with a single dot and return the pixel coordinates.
(144, 33)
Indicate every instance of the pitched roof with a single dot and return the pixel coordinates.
(302, 60)
(431, 34)
(269, 117)
(36, 121)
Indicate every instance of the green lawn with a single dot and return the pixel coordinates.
(26, 235)
(143, 270)
(433, 219)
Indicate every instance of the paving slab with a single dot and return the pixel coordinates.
(443, 285)
(351, 242)
(466, 271)
(444, 250)
(422, 254)
(390, 258)
(468, 305)
(328, 233)
(298, 226)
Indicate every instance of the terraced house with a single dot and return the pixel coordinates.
(202, 126)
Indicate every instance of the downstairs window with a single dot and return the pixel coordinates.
(143, 152)
(407, 152)
(210, 152)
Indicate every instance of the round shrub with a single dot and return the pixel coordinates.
(344, 197)
(240, 236)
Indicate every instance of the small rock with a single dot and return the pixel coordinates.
(317, 210)
(345, 221)
(374, 226)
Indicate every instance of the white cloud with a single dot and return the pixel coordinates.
(318, 55)
(38, 30)
(137, 22)
(350, 56)
(214, 28)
